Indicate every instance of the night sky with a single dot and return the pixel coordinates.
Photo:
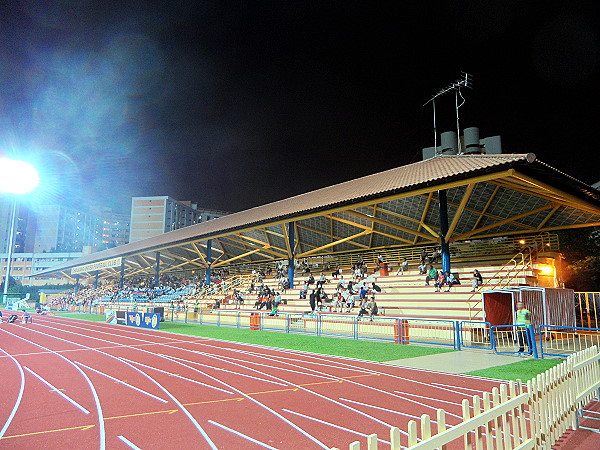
(233, 104)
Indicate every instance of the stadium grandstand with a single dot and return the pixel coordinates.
(493, 213)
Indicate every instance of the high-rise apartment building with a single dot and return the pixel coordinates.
(151, 216)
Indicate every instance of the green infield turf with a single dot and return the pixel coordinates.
(523, 370)
(371, 351)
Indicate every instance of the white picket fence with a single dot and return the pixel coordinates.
(514, 416)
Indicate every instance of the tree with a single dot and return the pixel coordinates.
(581, 249)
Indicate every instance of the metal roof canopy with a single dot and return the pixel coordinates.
(488, 196)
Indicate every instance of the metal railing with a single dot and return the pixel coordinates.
(587, 309)
(562, 341)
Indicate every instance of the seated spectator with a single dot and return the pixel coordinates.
(422, 269)
(336, 273)
(275, 305)
(339, 302)
(375, 288)
(322, 280)
(311, 280)
(341, 285)
(477, 280)
(441, 280)
(349, 299)
(403, 267)
(217, 304)
(380, 260)
(450, 280)
(362, 308)
(435, 255)
(424, 257)
(432, 275)
(363, 292)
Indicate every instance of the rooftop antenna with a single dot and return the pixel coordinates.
(465, 80)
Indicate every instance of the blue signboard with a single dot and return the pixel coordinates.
(143, 320)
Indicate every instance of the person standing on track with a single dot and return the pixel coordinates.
(523, 321)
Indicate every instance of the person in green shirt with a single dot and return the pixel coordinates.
(523, 321)
(432, 275)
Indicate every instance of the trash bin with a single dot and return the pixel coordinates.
(383, 270)
(255, 321)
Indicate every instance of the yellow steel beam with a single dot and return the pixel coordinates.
(423, 217)
(269, 247)
(331, 244)
(503, 222)
(459, 211)
(564, 227)
(547, 218)
(483, 212)
(287, 240)
(388, 224)
(332, 237)
(364, 227)
(243, 255)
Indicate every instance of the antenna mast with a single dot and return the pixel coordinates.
(465, 80)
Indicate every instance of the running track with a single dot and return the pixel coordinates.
(69, 383)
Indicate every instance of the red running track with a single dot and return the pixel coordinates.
(75, 384)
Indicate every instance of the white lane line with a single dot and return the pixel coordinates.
(590, 417)
(333, 425)
(477, 391)
(101, 430)
(384, 409)
(160, 386)
(222, 370)
(58, 391)
(19, 397)
(262, 405)
(242, 435)
(123, 383)
(273, 357)
(591, 411)
(430, 398)
(245, 361)
(309, 391)
(177, 376)
(129, 443)
(364, 386)
(428, 406)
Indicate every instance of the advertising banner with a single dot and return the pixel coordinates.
(143, 320)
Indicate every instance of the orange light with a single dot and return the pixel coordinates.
(546, 270)
(522, 241)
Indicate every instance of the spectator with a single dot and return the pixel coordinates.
(362, 308)
(372, 308)
(450, 280)
(362, 294)
(432, 275)
(336, 273)
(380, 260)
(322, 280)
(403, 267)
(375, 288)
(313, 301)
(424, 257)
(441, 280)
(422, 269)
(477, 280)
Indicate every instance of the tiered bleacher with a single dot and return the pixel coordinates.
(399, 294)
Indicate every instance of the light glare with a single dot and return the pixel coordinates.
(17, 177)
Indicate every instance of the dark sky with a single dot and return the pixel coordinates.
(233, 104)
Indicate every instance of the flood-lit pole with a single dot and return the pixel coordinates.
(16, 178)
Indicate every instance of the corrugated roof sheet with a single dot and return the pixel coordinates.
(412, 176)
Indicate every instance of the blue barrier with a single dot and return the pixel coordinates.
(508, 339)
(474, 334)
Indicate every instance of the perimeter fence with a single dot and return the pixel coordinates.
(515, 415)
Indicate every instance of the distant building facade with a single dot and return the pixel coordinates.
(25, 264)
(152, 216)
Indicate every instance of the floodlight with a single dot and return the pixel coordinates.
(17, 177)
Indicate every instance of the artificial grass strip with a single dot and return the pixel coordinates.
(523, 370)
(370, 351)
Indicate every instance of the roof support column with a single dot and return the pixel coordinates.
(443, 199)
(122, 279)
(96, 280)
(292, 243)
(76, 289)
(157, 270)
(208, 259)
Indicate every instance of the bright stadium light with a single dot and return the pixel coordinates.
(16, 177)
